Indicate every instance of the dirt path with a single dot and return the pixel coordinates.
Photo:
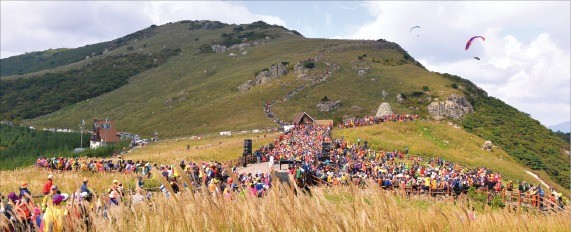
(537, 178)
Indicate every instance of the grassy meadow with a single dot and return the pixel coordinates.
(165, 152)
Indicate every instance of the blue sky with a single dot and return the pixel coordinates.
(525, 60)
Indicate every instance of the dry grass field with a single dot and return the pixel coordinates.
(327, 209)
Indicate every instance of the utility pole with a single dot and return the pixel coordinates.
(105, 131)
(81, 133)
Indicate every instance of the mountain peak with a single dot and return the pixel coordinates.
(563, 127)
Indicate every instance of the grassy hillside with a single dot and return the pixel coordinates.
(197, 91)
(25, 98)
(41, 60)
(521, 136)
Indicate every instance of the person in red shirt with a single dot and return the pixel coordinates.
(48, 185)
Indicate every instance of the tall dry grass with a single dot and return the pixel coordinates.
(327, 209)
(67, 182)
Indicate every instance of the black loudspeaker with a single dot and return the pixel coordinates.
(247, 147)
(325, 149)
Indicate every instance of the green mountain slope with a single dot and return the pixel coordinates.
(200, 90)
(37, 61)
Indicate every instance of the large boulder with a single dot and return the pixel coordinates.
(454, 107)
(384, 109)
(487, 145)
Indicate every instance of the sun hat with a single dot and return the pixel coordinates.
(54, 187)
(65, 196)
(56, 199)
(12, 196)
(50, 176)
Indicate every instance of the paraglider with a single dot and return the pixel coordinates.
(472, 39)
(477, 58)
(414, 28)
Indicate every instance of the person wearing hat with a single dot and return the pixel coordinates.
(85, 189)
(7, 207)
(24, 189)
(48, 185)
(24, 211)
(54, 214)
(47, 199)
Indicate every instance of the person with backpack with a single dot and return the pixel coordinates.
(85, 189)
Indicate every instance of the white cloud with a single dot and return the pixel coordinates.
(525, 58)
(34, 26)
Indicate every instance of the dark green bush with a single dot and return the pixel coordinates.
(308, 65)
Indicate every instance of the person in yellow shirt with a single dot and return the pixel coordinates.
(47, 201)
(55, 213)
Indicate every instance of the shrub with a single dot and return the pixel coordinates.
(238, 29)
(308, 65)
(455, 86)
(205, 48)
(425, 88)
(417, 94)
(325, 99)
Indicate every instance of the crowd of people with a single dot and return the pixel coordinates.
(372, 120)
(301, 148)
(94, 165)
(390, 169)
(55, 211)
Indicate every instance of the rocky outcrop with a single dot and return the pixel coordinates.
(361, 71)
(299, 70)
(455, 107)
(219, 48)
(384, 93)
(384, 109)
(400, 99)
(275, 71)
(327, 106)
